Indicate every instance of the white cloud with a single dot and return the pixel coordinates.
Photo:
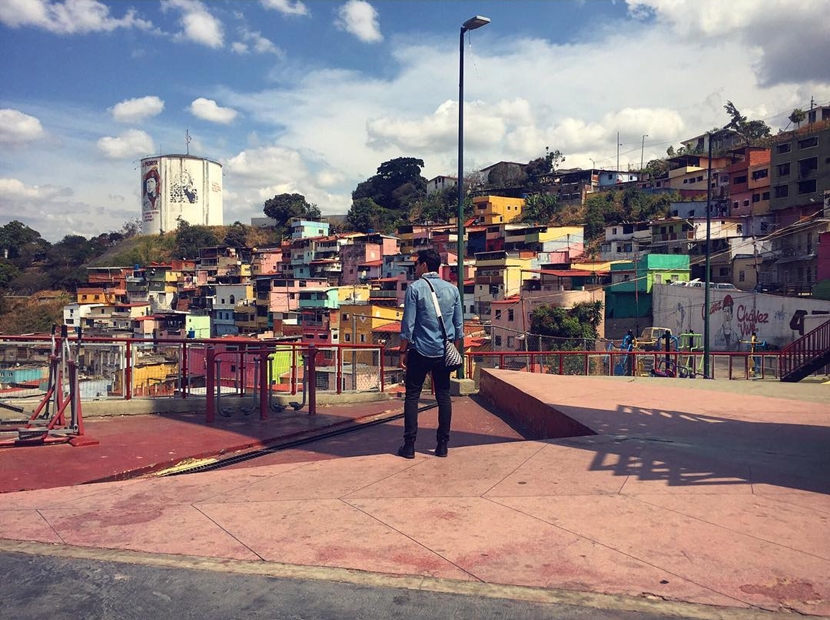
(257, 174)
(132, 143)
(360, 18)
(68, 17)
(767, 26)
(208, 110)
(137, 110)
(286, 7)
(198, 24)
(254, 41)
(13, 189)
(18, 128)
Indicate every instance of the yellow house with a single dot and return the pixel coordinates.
(357, 322)
(497, 209)
(498, 276)
(353, 293)
(95, 295)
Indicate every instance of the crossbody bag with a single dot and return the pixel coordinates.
(452, 357)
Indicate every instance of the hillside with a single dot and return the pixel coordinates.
(145, 249)
(33, 313)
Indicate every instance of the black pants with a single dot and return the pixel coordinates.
(417, 367)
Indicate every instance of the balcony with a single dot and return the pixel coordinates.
(489, 280)
(382, 294)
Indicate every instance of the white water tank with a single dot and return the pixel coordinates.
(177, 187)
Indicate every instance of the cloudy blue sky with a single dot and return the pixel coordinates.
(311, 96)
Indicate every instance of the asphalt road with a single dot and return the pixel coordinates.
(36, 587)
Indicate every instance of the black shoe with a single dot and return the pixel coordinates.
(407, 450)
(441, 449)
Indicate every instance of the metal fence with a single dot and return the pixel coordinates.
(732, 366)
(127, 368)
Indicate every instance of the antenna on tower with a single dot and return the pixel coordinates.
(187, 140)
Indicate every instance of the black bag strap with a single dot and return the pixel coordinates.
(437, 307)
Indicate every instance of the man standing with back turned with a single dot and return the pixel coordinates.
(422, 347)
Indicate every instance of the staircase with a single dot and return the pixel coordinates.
(806, 355)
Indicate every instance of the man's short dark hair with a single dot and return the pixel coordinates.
(431, 258)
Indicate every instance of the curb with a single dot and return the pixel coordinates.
(645, 603)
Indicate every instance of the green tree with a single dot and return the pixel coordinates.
(439, 207)
(8, 272)
(237, 235)
(29, 283)
(601, 210)
(366, 215)
(751, 131)
(657, 168)
(797, 117)
(23, 245)
(71, 251)
(539, 208)
(397, 186)
(283, 207)
(567, 329)
(190, 239)
(544, 165)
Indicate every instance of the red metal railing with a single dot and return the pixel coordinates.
(187, 364)
(728, 365)
(806, 349)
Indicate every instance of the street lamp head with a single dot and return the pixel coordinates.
(475, 22)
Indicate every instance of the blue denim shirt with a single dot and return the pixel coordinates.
(420, 322)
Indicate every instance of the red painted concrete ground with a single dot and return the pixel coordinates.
(713, 498)
(150, 442)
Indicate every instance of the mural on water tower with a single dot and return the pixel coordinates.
(150, 189)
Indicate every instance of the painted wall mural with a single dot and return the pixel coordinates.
(150, 190)
(735, 315)
(182, 189)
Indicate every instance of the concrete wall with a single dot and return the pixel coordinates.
(735, 314)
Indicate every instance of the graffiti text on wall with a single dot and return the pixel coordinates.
(748, 319)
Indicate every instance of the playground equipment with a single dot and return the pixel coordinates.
(668, 366)
(48, 423)
(622, 361)
(754, 370)
(651, 338)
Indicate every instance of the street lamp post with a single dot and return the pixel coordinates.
(471, 24)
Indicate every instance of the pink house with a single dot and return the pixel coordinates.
(362, 252)
(266, 261)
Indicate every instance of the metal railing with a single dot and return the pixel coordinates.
(807, 349)
(130, 368)
(731, 365)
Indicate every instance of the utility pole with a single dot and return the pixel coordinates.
(642, 150)
(636, 295)
(617, 171)
(707, 268)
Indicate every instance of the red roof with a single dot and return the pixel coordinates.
(384, 280)
(371, 263)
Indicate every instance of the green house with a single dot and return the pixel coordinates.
(629, 294)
